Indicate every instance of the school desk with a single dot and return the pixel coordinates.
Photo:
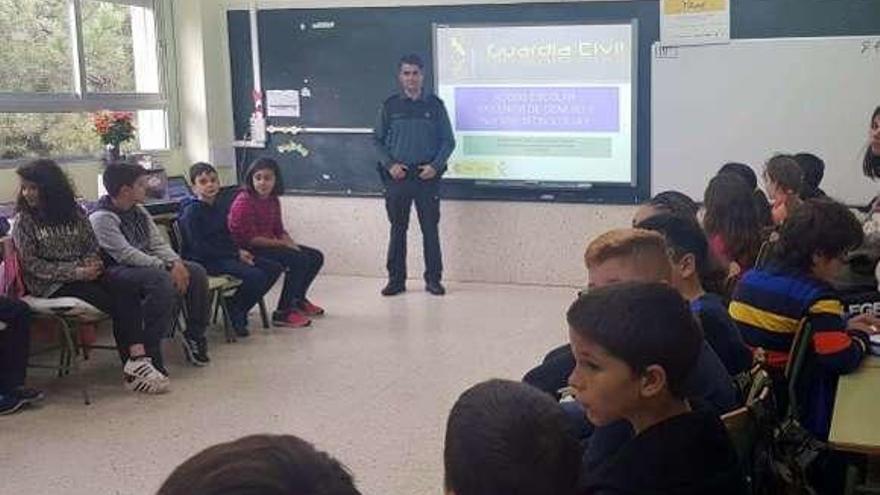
(854, 426)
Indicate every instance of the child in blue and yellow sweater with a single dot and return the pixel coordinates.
(772, 303)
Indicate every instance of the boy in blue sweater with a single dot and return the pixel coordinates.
(206, 240)
(700, 283)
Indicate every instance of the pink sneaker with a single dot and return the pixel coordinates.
(293, 319)
(310, 309)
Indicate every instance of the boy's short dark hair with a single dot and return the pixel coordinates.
(200, 168)
(742, 170)
(674, 202)
(819, 226)
(260, 464)
(120, 174)
(264, 164)
(642, 324)
(814, 171)
(685, 236)
(505, 437)
(411, 59)
(785, 172)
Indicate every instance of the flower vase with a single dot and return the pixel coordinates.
(111, 154)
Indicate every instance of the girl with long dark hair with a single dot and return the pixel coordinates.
(60, 258)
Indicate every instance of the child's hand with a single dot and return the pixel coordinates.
(246, 257)
(287, 242)
(180, 277)
(292, 245)
(733, 270)
(866, 322)
(90, 271)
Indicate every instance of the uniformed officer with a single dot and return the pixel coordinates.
(414, 139)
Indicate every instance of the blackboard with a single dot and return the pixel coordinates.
(358, 68)
(351, 68)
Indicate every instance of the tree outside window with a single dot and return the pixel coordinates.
(63, 59)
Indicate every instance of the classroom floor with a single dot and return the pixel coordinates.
(371, 383)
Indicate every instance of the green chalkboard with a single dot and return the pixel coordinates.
(347, 58)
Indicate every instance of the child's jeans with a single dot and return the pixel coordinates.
(256, 280)
(302, 268)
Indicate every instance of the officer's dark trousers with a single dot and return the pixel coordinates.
(399, 197)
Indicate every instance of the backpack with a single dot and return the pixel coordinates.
(11, 283)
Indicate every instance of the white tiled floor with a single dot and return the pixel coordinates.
(371, 382)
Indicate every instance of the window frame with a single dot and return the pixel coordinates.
(80, 100)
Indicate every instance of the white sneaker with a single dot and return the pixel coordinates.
(142, 376)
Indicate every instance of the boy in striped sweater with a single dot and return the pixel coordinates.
(773, 302)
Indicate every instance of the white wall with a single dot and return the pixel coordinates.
(530, 243)
(482, 241)
(84, 174)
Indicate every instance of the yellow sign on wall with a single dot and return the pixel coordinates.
(677, 7)
(694, 22)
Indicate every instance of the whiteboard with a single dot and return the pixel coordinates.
(750, 99)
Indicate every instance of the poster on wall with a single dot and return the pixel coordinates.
(694, 22)
(283, 103)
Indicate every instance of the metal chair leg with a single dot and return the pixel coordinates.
(181, 320)
(215, 303)
(264, 315)
(228, 331)
(73, 362)
(62, 357)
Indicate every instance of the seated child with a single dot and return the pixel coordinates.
(261, 465)
(255, 223)
(60, 258)
(635, 344)
(745, 172)
(773, 303)
(637, 255)
(504, 437)
(629, 255)
(784, 179)
(672, 202)
(692, 272)
(14, 345)
(206, 240)
(732, 223)
(814, 171)
(871, 161)
(138, 255)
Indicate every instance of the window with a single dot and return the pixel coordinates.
(63, 59)
(69, 135)
(36, 54)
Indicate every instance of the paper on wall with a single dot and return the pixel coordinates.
(694, 22)
(283, 103)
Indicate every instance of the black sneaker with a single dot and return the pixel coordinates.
(242, 332)
(10, 404)
(196, 350)
(435, 288)
(393, 288)
(28, 395)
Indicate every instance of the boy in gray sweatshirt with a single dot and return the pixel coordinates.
(137, 253)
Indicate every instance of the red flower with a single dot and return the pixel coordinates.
(113, 128)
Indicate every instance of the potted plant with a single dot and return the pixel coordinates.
(114, 129)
